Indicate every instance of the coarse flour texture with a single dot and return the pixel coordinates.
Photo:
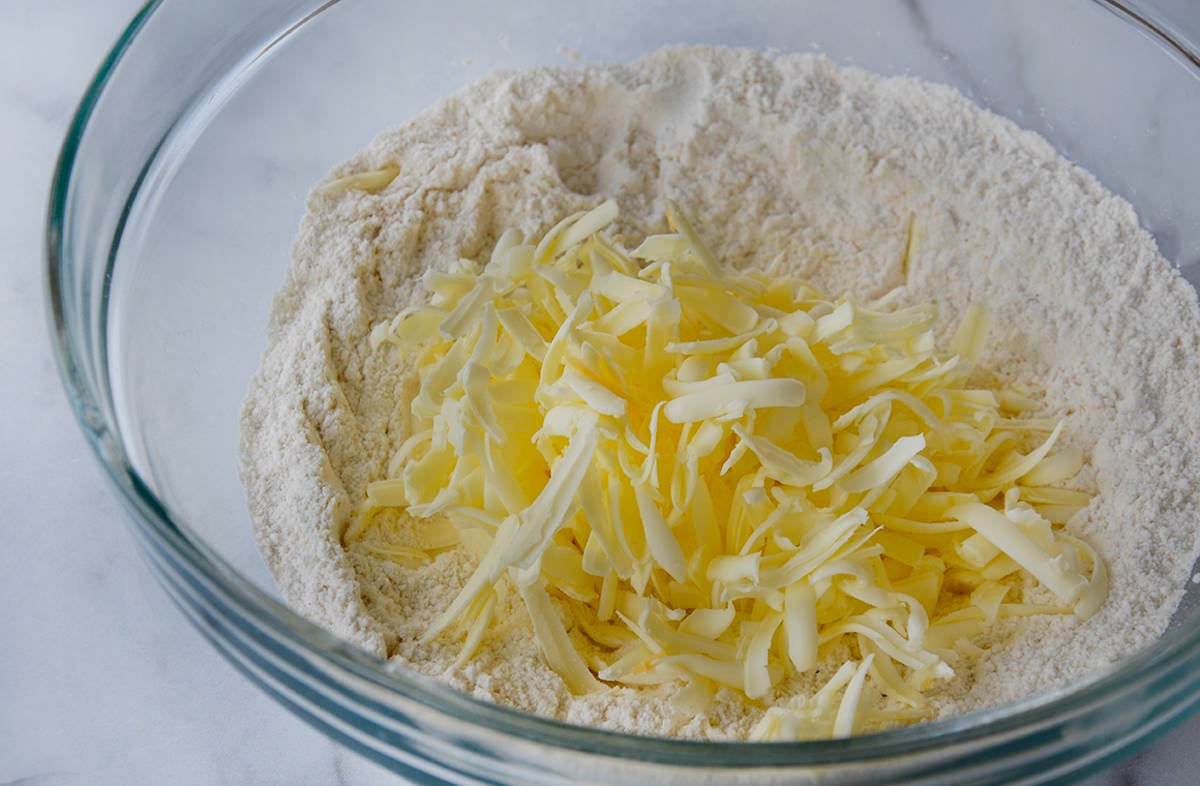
(830, 167)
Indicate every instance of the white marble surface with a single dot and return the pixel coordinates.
(101, 679)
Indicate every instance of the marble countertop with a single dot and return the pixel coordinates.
(101, 679)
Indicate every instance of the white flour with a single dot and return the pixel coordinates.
(768, 154)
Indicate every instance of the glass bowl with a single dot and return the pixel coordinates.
(182, 180)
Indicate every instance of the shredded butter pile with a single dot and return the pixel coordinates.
(720, 477)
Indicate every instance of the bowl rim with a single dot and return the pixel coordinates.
(1005, 725)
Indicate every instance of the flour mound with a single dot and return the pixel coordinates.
(779, 154)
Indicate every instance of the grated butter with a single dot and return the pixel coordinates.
(737, 474)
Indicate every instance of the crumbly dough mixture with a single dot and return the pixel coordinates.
(784, 154)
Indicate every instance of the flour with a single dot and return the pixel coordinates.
(776, 155)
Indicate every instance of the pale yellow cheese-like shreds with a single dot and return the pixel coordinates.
(723, 475)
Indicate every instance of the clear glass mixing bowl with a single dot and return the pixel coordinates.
(183, 178)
